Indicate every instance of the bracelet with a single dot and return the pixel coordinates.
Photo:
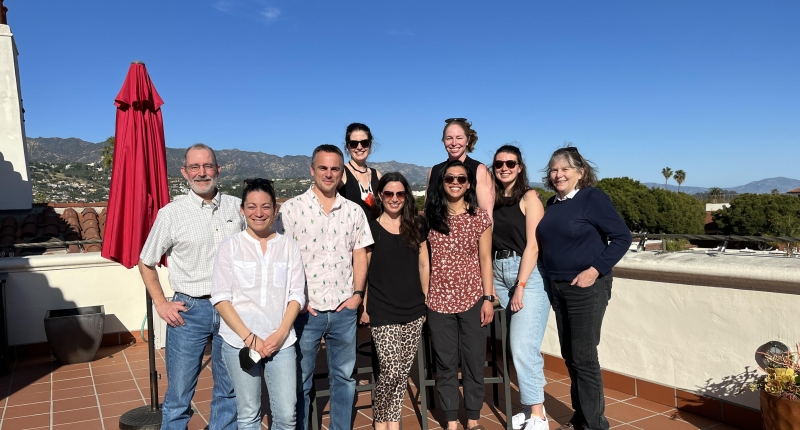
(247, 337)
(359, 292)
(521, 284)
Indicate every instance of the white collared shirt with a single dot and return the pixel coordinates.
(258, 285)
(326, 243)
(189, 231)
(568, 196)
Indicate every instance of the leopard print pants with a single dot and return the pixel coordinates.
(396, 345)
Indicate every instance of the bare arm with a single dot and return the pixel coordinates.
(485, 257)
(168, 311)
(424, 267)
(359, 278)
(485, 190)
(364, 317)
(533, 210)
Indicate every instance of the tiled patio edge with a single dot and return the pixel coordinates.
(716, 409)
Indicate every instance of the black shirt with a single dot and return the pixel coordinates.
(509, 227)
(436, 170)
(395, 291)
(351, 190)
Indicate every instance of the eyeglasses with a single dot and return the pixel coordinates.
(498, 164)
(353, 144)
(258, 181)
(387, 195)
(449, 179)
(449, 120)
(194, 168)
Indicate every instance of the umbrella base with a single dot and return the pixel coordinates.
(141, 418)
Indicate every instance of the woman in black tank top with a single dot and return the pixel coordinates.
(359, 182)
(517, 281)
(459, 139)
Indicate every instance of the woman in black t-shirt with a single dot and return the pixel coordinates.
(395, 300)
(359, 181)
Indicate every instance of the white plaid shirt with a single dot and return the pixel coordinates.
(189, 230)
(326, 243)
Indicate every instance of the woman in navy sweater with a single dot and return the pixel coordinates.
(581, 237)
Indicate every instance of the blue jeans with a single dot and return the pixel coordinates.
(579, 315)
(185, 346)
(527, 326)
(339, 331)
(280, 375)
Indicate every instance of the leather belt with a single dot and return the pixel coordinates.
(503, 254)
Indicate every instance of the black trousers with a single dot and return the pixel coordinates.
(579, 316)
(459, 337)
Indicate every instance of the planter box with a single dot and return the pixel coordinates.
(778, 413)
(74, 334)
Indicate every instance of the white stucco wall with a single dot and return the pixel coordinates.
(36, 284)
(14, 175)
(694, 321)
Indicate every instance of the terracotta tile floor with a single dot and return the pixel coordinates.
(41, 394)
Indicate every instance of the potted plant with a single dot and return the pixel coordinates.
(780, 388)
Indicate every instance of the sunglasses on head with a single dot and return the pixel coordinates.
(258, 181)
(353, 144)
(449, 179)
(498, 164)
(449, 120)
(387, 195)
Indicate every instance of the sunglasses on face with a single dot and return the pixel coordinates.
(388, 195)
(449, 120)
(353, 144)
(449, 179)
(258, 181)
(498, 164)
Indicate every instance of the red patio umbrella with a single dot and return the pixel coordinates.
(138, 190)
(139, 173)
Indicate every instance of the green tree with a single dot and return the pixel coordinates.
(654, 210)
(679, 177)
(754, 214)
(108, 153)
(774, 192)
(666, 172)
(544, 194)
(715, 193)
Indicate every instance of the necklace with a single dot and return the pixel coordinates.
(356, 168)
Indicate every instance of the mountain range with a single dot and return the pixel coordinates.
(244, 164)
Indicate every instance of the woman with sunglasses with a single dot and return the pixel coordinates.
(582, 237)
(395, 303)
(460, 295)
(359, 181)
(517, 280)
(258, 288)
(459, 139)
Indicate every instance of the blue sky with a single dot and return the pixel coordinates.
(710, 87)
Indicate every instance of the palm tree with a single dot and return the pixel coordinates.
(108, 153)
(679, 177)
(715, 193)
(667, 172)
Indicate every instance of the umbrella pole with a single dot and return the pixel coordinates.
(151, 350)
(146, 417)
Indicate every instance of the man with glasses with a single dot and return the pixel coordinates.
(333, 234)
(188, 231)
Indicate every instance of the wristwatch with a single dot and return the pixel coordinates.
(359, 292)
(489, 298)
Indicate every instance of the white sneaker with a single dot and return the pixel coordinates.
(518, 420)
(536, 423)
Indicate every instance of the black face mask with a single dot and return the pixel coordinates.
(247, 356)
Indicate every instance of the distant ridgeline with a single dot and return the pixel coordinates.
(236, 164)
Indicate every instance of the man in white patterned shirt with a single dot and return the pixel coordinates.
(189, 231)
(333, 234)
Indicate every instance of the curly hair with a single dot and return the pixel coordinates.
(472, 135)
(436, 206)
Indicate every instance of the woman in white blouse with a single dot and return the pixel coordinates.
(258, 289)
